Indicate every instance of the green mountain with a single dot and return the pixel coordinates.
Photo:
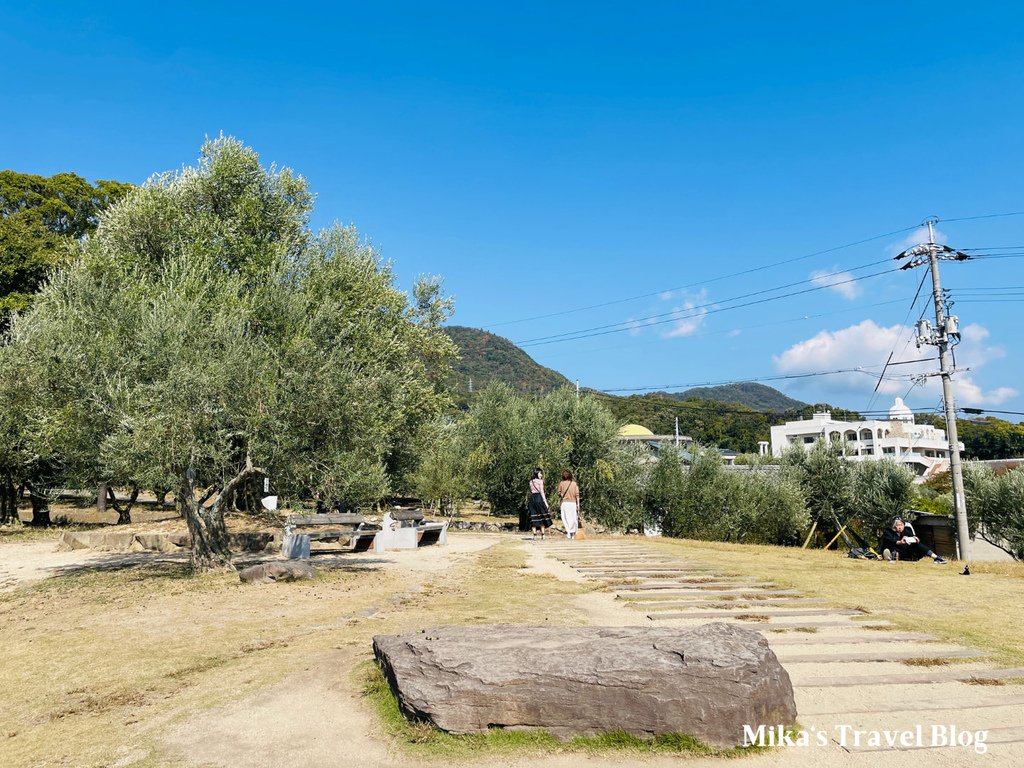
(734, 416)
(485, 357)
(755, 396)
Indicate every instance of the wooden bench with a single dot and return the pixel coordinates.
(407, 529)
(352, 532)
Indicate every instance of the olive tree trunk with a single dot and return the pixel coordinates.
(40, 508)
(124, 514)
(210, 545)
(8, 500)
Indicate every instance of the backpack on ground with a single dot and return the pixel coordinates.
(861, 553)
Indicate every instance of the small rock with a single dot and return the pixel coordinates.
(286, 571)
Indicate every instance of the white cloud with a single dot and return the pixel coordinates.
(869, 344)
(918, 236)
(688, 318)
(967, 392)
(665, 295)
(843, 283)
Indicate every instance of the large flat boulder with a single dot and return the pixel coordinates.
(707, 682)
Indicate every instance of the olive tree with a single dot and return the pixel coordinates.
(205, 337)
(882, 489)
(997, 506)
(825, 479)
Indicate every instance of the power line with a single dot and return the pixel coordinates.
(604, 330)
(759, 326)
(669, 404)
(752, 270)
(703, 282)
(896, 343)
(985, 216)
(988, 257)
(777, 377)
(973, 411)
(995, 248)
(989, 301)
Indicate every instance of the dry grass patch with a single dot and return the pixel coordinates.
(102, 659)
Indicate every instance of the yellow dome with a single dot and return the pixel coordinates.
(634, 430)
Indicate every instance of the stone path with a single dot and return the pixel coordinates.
(848, 668)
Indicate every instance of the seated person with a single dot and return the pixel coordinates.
(899, 542)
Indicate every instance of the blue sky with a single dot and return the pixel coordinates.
(548, 156)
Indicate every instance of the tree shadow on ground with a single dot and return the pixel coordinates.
(176, 565)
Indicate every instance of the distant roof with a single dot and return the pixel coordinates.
(634, 430)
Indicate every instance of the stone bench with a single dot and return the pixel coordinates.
(407, 529)
(350, 531)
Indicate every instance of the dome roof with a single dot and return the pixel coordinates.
(900, 412)
(634, 430)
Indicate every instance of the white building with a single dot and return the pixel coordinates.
(923, 448)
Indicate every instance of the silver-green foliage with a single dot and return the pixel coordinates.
(504, 436)
(708, 501)
(996, 506)
(882, 489)
(825, 480)
(204, 325)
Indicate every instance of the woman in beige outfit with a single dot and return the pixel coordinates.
(569, 493)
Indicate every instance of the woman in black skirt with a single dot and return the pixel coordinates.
(540, 515)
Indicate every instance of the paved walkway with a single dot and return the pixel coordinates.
(848, 668)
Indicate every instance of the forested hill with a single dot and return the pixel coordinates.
(755, 396)
(735, 416)
(486, 357)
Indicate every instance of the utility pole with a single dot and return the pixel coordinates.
(946, 328)
(677, 431)
(577, 389)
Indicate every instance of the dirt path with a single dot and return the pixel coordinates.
(24, 562)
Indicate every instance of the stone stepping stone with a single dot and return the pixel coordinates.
(615, 572)
(877, 656)
(703, 602)
(767, 627)
(675, 572)
(1010, 734)
(597, 550)
(645, 566)
(871, 637)
(608, 564)
(919, 706)
(910, 678)
(754, 614)
(699, 594)
(700, 585)
(665, 584)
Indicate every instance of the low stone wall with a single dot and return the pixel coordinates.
(467, 525)
(128, 541)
